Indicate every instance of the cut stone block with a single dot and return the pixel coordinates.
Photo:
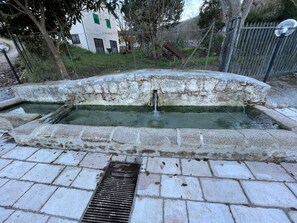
(67, 176)
(190, 137)
(125, 135)
(35, 197)
(12, 191)
(70, 158)
(95, 160)
(269, 194)
(60, 220)
(20, 153)
(43, 173)
(96, 134)
(157, 137)
(244, 214)
(6, 148)
(193, 167)
(66, 202)
(16, 169)
(208, 213)
(3, 181)
(5, 213)
(293, 216)
(293, 187)
(148, 210)
(175, 211)
(4, 163)
(222, 137)
(269, 171)
(26, 217)
(163, 165)
(291, 168)
(148, 184)
(181, 187)
(230, 169)
(223, 191)
(287, 138)
(45, 155)
(87, 179)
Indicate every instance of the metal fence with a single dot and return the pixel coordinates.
(254, 51)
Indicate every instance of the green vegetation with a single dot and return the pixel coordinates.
(83, 63)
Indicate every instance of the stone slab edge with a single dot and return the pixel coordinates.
(9, 102)
(211, 144)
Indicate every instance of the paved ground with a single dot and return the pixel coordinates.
(283, 91)
(48, 185)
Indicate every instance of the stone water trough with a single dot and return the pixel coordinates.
(175, 88)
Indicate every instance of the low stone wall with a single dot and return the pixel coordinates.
(196, 88)
(248, 144)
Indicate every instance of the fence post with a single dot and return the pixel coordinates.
(229, 43)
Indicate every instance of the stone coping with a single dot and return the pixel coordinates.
(175, 87)
(246, 144)
(10, 102)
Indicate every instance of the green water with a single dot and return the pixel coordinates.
(170, 117)
(39, 108)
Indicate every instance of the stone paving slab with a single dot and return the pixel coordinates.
(25, 217)
(291, 168)
(230, 169)
(43, 173)
(87, 179)
(223, 191)
(16, 169)
(208, 213)
(5, 213)
(20, 153)
(35, 197)
(67, 176)
(3, 181)
(45, 155)
(269, 171)
(194, 167)
(148, 184)
(293, 216)
(163, 165)
(293, 187)
(269, 194)
(181, 187)
(244, 214)
(66, 202)
(70, 158)
(4, 163)
(149, 209)
(6, 147)
(60, 220)
(95, 160)
(12, 191)
(175, 211)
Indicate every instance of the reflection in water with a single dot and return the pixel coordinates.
(170, 117)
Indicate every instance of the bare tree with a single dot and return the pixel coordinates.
(231, 8)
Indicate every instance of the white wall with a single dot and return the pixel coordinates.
(88, 30)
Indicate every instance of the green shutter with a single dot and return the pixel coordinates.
(96, 18)
(108, 25)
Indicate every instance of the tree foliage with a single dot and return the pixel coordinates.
(146, 17)
(43, 19)
(210, 11)
(273, 11)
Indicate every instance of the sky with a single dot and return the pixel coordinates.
(191, 9)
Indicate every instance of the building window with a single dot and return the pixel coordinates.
(108, 25)
(75, 39)
(96, 18)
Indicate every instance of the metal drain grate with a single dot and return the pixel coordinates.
(114, 195)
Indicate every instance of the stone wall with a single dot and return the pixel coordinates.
(196, 88)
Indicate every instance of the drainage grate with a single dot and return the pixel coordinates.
(114, 195)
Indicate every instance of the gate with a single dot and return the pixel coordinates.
(254, 50)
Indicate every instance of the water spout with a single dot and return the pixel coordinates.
(155, 100)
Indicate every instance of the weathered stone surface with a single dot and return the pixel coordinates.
(291, 168)
(268, 194)
(175, 211)
(95, 160)
(259, 138)
(66, 131)
(97, 134)
(5, 213)
(18, 119)
(163, 165)
(222, 137)
(70, 158)
(207, 212)
(269, 171)
(128, 88)
(157, 137)
(190, 137)
(16, 169)
(10, 102)
(287, 138)
(223, 191)
(20, 153)
(150, 209)
(194, 167)
(181, 187)
(21, 217)
(244, 214)
(148, 184)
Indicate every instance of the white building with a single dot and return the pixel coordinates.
(97, 32)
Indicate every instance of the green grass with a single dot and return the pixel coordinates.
(83, 63)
